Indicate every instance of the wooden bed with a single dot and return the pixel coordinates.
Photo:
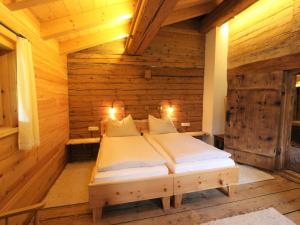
(117, 192)
(223, 178)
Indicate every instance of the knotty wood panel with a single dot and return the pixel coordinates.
(253, 108)
(100, 75)
(25, 176)
(266, 30)
(263, 41)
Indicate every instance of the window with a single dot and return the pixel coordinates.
(8, 81)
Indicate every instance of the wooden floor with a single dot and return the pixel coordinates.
(282, 194)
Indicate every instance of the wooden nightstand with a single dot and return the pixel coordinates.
(219, 141)
(80, 149)
(197, 134)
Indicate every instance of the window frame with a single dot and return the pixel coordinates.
(8, 83)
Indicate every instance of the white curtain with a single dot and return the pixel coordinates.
(29, 136)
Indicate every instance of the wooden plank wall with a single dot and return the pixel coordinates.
(266, 30)
(25, 176)
(100, 75)
(263, 41)
(297, 104)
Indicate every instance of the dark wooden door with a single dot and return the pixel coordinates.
(253, 117)
(293, 121)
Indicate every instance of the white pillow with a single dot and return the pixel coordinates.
(125, 127)
(160, 126)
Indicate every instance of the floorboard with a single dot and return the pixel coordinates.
(280, 193)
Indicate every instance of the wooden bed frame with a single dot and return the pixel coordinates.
(225, 179)
(117, 192)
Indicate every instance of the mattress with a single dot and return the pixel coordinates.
(117, 153)
(201, 165)
(131, 174)
(183, 148)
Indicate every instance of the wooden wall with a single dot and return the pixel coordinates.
(100, 75)
(25, 176)
(297, 105)
(264, 40)
(266, 30)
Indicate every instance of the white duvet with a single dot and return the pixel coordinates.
(117, 153)
(131, 173)
(183, 148)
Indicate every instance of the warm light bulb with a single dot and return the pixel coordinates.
(298, 83)
(112, 112)
(170, 110)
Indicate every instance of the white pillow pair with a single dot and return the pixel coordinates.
(126, 127)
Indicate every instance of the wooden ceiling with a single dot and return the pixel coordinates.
(80, 24)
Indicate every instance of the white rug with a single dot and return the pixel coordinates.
(264, 217)
(72, 185)
(250, 174)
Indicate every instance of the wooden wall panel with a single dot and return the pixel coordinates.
(254, 104)
(266, 30)
(25, 176)
(99, 75)
(263, 41)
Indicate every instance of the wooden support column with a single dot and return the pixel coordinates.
(150, 16)
(177, 201)
(166, 202)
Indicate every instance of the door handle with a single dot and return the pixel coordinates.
(228, 116)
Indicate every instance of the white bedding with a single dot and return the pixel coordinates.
(201, 165)
(183, 148)
(131, 173)
(117, 153)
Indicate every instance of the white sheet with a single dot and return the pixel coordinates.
(201, 165)
(131, 173)
(117, 153)
(182, 148)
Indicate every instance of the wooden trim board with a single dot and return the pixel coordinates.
(118, 192)
(204, 180)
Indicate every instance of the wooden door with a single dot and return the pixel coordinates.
(292, 119)
(253, 117)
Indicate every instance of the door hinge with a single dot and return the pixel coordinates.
(277, 151)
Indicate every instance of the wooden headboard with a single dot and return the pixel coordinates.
(141, 125)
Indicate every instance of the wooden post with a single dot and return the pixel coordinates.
(166, 202)
(228, 190)
(97, 214)
(36, 218)
(177, 201)
(231, 190)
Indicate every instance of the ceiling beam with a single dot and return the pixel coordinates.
(23, 4)
(105, 17)
(91, 40)
(182, 4)
(227, 10)
(189, 13)
(150, 16)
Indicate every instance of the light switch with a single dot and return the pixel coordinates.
(91, 128)
(185, 124)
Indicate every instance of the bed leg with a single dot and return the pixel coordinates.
(231, 190)
(97, 213)
(228, 190)
(166, 202)
(177, 201)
